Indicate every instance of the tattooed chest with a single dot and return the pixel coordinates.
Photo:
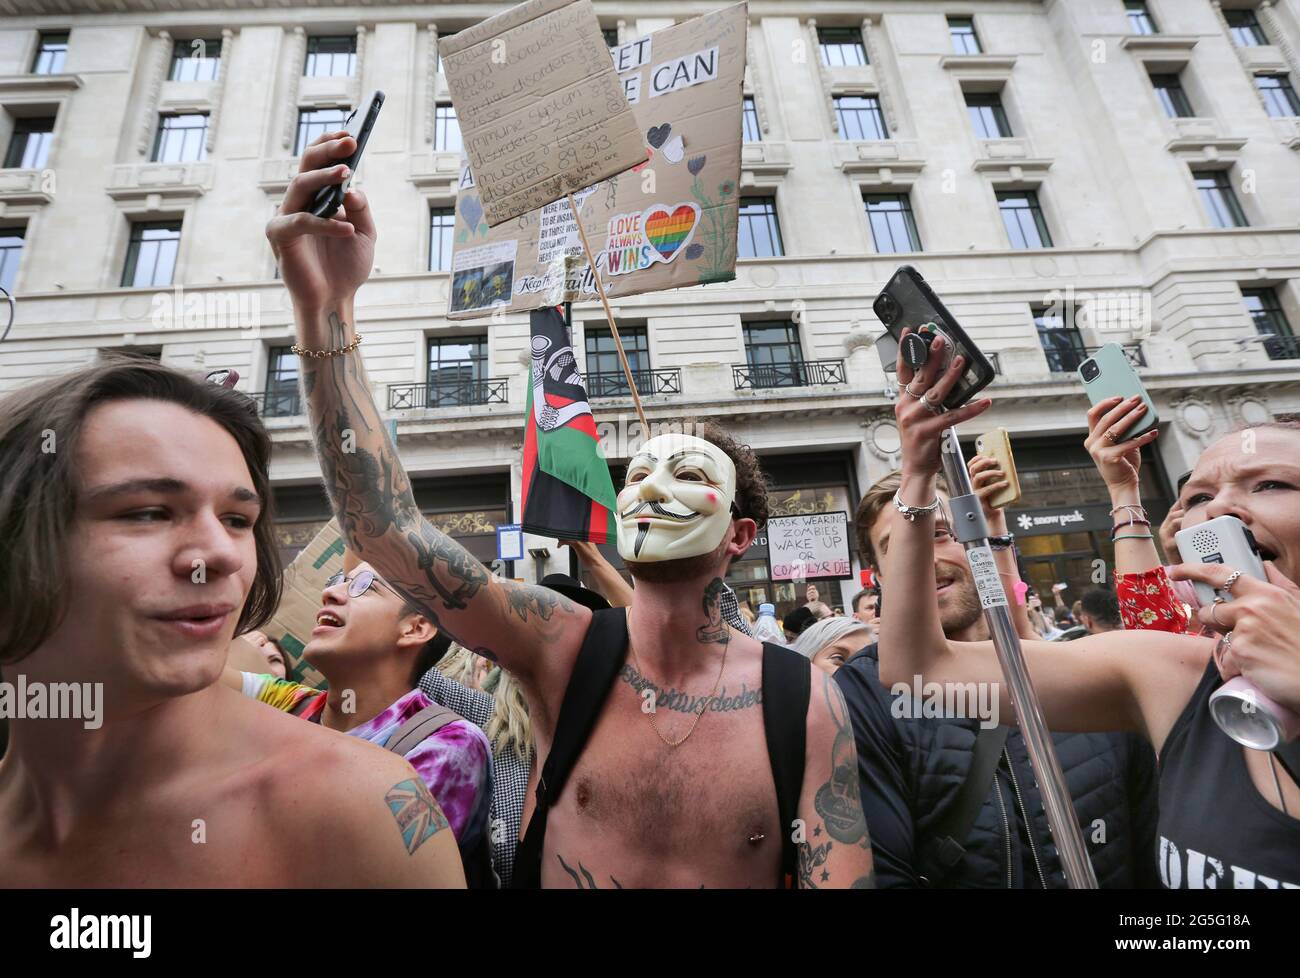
(652, 811)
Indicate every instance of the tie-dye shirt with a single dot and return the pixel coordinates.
(455, 761)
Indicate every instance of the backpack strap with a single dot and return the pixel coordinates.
(598, 662)
(423, 724)
(947, 843)
(787, 685)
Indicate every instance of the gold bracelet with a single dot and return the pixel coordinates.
(303, 352)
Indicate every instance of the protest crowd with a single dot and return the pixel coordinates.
(475, 731)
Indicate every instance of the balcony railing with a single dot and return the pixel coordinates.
(286, 403)
(1281, 347)
(793, 373)
(445, 393)
(1066, 360)
(613, 383)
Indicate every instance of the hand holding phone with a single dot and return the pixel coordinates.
(996, 444)
(908, 302)
(1108, 374)
(359, 124)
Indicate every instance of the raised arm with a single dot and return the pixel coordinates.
(1117, 681)
(323, 263)
(609, 582)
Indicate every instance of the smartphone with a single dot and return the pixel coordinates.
(907, 301)
(1108, 373)
(359, 123)
(1222, 540)
(997, 444)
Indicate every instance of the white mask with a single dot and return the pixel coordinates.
(677, 500)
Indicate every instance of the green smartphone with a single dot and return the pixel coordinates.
(1108, 373)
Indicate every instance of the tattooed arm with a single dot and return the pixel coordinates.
(323, 263)
(835, 852)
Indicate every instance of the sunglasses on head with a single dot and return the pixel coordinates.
(359, 584)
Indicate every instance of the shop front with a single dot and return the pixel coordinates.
(1062, 522)
(466, 508)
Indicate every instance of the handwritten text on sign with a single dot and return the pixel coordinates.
(813, 545)
(540, 108)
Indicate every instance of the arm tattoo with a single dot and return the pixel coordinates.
(418, 816)
(541, 602)
(839, 800)
(585, 881)
(715, 631)
(810, 858)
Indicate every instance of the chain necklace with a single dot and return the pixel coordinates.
(699, 713)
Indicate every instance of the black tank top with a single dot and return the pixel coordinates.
(1216, 830)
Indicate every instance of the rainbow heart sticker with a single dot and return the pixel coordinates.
(669, 230)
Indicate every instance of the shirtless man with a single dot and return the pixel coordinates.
(636, 811)
(135, 550)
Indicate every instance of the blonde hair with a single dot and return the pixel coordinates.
(510, 727)
(458, 665)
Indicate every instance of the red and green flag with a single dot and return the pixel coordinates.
(567, 490)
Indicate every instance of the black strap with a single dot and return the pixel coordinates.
(598, 662)
(1288, 755)
(946, 846)
(787, 684)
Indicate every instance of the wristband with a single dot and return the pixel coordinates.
(1147, 536)
(1003, 543)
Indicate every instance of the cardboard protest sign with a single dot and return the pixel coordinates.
(666, 224)
(541, 111)
(304, 579)
(808, 546)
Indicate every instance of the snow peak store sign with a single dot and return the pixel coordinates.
(1059, 519)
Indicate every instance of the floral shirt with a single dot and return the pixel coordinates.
(1149, 601)
(455, 761)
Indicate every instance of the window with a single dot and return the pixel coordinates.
(151, 254)
(11, 255)
(446, 131)
(841, 46)
(759, 234)
(1279, 97)
(1023, 219)
(604, 372)
(987, 115)
(1062, 343)
(196, 60)
(1270, 321)
(1219, 200)
(860, 117)
(892, 225)
(1169, 90)
(964, 38)
(751, 131)
(280, 400)
(457, 367)
(29, 149)
(314, 122)
(51, 50)
(1139, 18)
(442, 222)
(1245, 29)
(611, 36)
(331, 55)
(774, 355)
(180, 139)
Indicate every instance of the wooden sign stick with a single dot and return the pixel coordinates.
(618, 343)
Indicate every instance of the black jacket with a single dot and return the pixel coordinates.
(911, 770)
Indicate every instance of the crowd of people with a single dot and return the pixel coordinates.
(486, 733)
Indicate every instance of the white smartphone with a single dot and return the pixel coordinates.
(1223, 540)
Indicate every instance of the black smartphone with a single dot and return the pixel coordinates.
(907, 301)
(360, 122)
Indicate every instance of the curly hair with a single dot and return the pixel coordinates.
(751, 480)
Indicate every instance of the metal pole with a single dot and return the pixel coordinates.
(970, 527)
